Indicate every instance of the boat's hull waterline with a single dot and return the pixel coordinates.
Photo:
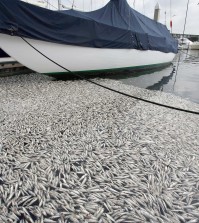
(79, 59)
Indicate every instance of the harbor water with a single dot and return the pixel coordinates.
(181, 78)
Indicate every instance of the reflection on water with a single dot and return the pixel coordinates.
(160, 84)
(181, 78)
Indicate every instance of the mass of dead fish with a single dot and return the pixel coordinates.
(73, 152)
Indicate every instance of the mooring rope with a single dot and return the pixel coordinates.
(108, 88)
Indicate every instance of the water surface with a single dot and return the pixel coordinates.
(181, 78)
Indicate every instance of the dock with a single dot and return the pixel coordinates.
(9, 67)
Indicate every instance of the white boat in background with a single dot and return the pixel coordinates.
(85, 42)
(194, 45)
(184, 43)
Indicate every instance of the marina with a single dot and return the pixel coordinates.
(99, 115)
(180, 78)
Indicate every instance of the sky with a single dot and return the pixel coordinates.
(170, 9)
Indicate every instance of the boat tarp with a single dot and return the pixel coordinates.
(115, 26)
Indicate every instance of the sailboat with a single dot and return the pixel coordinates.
(184, 43)
(113, 38)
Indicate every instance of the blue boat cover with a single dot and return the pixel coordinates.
(115, 26)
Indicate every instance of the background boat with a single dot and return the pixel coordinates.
(184, 43)
(194, 45)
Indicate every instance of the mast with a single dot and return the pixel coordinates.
(48, 4)
(143, 7)
(59, 5)
(157, 12)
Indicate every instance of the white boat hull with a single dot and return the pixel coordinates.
(76, 58)
(194, 46)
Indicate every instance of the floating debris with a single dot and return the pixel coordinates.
(74, 152)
